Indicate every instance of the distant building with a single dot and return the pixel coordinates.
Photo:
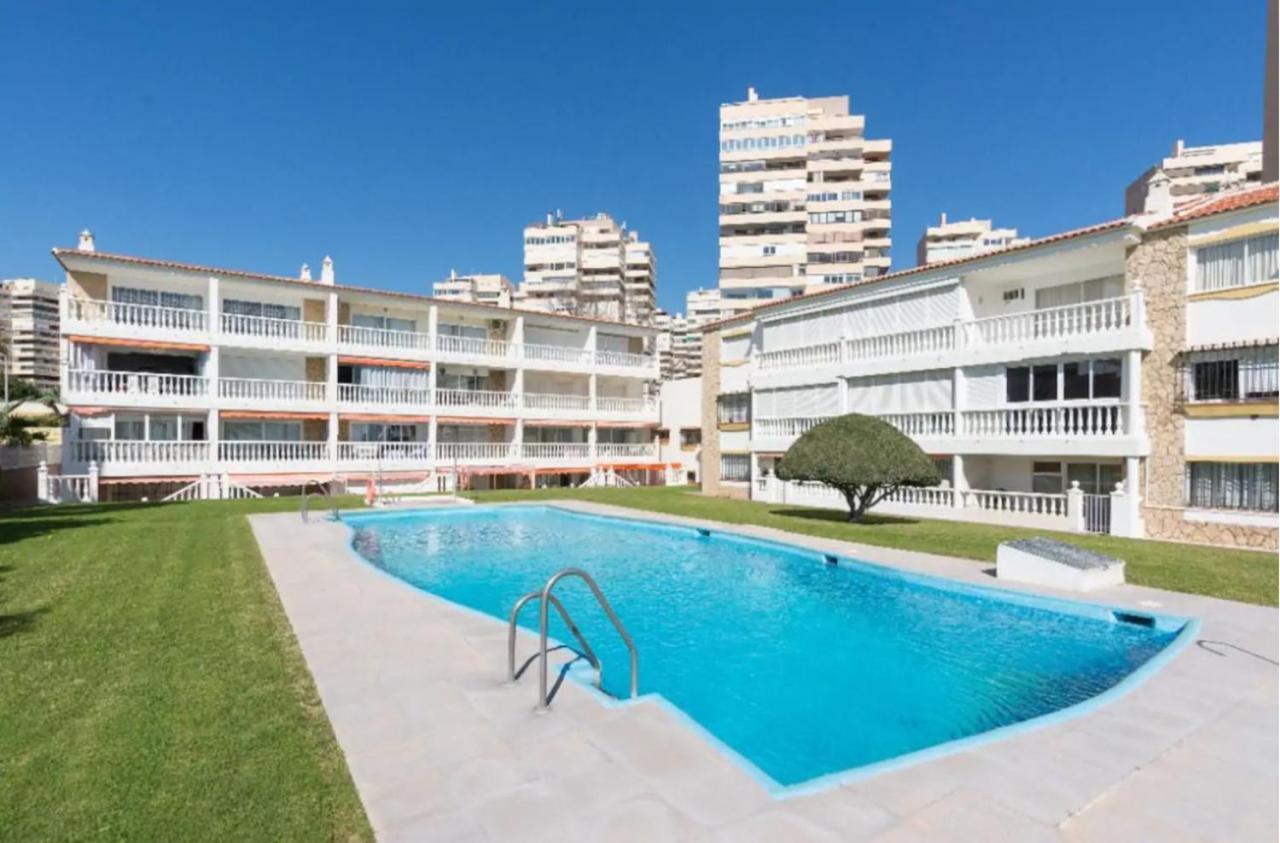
(804, 199)
(489, 289)
(29, 329)
(1190, 172)
(590, 267)
(948, 240)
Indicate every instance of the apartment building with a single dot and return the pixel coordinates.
(702, 307)
(175, 372)
(1190, 172)
(1119, 378)
(491, 289)
(29, 329)
(958, 238)
(590, 267)
(804, 199)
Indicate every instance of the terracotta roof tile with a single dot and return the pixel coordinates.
(1221, 203)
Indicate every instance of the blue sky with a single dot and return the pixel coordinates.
(409, 139)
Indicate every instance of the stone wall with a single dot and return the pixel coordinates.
(710, 430)
(1158, 266)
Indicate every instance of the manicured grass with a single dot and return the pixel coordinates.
(1243, 575)
(150, 685)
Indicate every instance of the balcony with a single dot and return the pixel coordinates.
(131, 321)
(477, 399)
(626, 451)
(145, 458)
(138, 389)
(268, 456)
(554, 403)
(253, 393)
(556, 452)
(472, 348)
(412, 398)
(271, 333)
(571, 357)
(388, 454)
(626, 406)
(477, 452)
(1096, 429)
(1092, 327)
(411, 344)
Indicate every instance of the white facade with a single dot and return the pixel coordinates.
(1190, 173)
(29, 329)
(592, 267)
(961, 238)
(804, 199)
(176, 371)
(491, 289)
(681, 426)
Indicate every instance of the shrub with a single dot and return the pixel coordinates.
(864, 458)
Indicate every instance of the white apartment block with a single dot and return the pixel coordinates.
(175, 372)
(958, 238)
(804, 199)
(702, 307)
(1190, 172)
(591, 267)
(1120, 378)
(29, 329)
(491, 289)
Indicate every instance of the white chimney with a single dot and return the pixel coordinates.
(752, 96)
(305, 274)
(943, 218)
(453, 275)
(86, 241)
(549, 216)
(1159, 199)
(326, 270)
(1178, 146)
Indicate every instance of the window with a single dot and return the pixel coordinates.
(1219, 485)
(1081, 380)
(690, 437)
(237, 307)
(1046, 478)
(1240, 374)
(733, 408)
(735, 468)
(1075, 381)
(383, 323)
(1080, 292)
(769, 250)
(153, 298)
(1017, 384)
(131, 429)
(1236, 264)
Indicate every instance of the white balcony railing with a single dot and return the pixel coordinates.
(273, 452)
(821, 354)
(477, 398)
(472, 346)
(922, 496)
(1057, 323)
(148, 384)
(786, 427)
(447, 452)
(623, 359)
(555, 450)
(140, 451)
(1046, 421)
(923, 424)
(262, 389)
(356, 393)
(607, 404)
(270, 328)
(1073, 320)
(136, 315)
(625, 450)
(383, 338)
(556, 353)
(384, 451)
(1030, 503)
(553, 401)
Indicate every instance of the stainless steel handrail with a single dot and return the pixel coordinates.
(542, 630)
(568, 621)
(326, 494)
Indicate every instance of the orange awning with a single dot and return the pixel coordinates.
(169, 346)
(265, 414)
(386, 475)
(281, 479)
(379, 361)
(472, 420)
(635, 466)
(127, 481)
(89, 411)
(626, 424)
(579, 470)
(388, 417)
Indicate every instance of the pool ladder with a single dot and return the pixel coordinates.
(546, 599)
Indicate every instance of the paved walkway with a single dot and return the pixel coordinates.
(440, 749)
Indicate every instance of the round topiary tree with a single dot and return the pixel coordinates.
(865, 458)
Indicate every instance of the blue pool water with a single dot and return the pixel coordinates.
(802, 668)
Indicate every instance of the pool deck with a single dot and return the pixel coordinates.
(441, 749)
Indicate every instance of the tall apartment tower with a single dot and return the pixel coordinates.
(29, 329)
(1191, 172)
(481, 288)
(948, 240)
(804, 198)
(584, 268)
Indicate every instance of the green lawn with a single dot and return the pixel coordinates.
(1243, 575)
(150, 685)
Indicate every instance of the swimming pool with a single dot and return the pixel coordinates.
(801, 668)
